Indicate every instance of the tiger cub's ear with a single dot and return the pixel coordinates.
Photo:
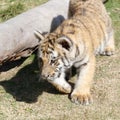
(38, 35)
(65, 43)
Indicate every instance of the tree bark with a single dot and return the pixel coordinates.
(17, 34)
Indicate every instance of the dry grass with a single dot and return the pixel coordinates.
(23, 98)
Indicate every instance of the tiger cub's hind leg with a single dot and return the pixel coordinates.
(110, 45)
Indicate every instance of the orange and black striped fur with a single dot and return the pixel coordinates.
(87, 32)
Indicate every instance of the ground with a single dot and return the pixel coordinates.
(23, 98)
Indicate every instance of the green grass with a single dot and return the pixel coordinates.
(23, 98)
(11, 11)
(11, 8)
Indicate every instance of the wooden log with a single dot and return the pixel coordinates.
(17, 34)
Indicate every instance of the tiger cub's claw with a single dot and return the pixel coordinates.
(84, 99)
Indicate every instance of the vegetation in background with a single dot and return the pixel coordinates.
(11, 8)
(11, 11)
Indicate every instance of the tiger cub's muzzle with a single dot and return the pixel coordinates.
(48, 72)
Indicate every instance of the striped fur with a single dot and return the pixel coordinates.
(75, 42)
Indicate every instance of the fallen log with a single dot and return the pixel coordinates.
(17, 34)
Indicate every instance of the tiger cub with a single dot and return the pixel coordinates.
(75, 42)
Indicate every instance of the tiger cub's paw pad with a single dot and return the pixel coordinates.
(84, 99)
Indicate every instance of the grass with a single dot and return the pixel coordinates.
(11, 8)
(11, 11)
(23, 98)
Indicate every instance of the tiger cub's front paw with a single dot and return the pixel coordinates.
(64, 88)
(81, 98)
(62, 85)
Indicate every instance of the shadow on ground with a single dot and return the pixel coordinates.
(25, 85)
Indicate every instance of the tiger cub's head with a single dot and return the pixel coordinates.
(53, 55)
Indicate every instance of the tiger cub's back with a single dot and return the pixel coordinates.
(93, 15)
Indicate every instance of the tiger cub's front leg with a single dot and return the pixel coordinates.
(81, 93)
